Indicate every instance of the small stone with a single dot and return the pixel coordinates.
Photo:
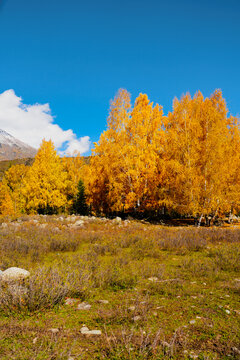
(84, 329)
(84, 306)
(137, 318)
(103, 301)
(70, 301)
(153, 279)
(95, 332)
(35, 340)
(154, 313)
(192, 322)
(54, 330)
(78, 223)
(117, 220)
(132, 308)
(227, 311)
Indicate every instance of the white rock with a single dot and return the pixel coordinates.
(54, 331)
(103, 301)
(132, 308)
(84, 306)
(137, 318)
(14, 274)
(71, 301)
(154, 278)
(42, 226)
(4, 225)
(227, 312)
(192, 321)
(85, 331)
(94, 332)
(117, 220)
(78, 223)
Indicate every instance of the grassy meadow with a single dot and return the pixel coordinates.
(154, 292)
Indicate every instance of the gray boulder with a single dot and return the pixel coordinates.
(14, 274)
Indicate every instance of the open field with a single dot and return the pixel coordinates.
(154, 292)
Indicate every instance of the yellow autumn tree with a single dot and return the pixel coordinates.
(44, 185)
(126, 164)
(198, 135)
(105, 185)
(143, 155)
(14, 178)
(6, 204)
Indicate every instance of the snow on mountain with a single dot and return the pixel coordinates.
(12, 148)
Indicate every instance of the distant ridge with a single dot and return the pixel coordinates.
(12, 148)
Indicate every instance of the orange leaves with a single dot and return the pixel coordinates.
(144, 159)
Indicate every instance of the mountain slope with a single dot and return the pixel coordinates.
(12, 148)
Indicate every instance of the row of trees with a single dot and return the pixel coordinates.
(186, 162)
(52, 184)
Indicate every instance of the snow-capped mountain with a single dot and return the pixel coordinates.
(12, 148)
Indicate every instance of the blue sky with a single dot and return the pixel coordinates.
(75, 55)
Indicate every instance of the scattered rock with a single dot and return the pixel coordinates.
(132, 308)
(192, 322)
(42, 226)
(153, 279)
(85, 331)
(4, 225)
(78, 223)
(14, 274)
(227, 311)
(35, 340)
(103, 301)
(117, 220)
(137, 318)
(70, 301)
(84, 306)
(94, 332)
(54, 330)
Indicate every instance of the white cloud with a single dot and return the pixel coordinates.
(32, 123)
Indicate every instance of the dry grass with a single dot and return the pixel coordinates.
(193, 276)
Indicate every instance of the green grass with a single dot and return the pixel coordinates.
(191, 310)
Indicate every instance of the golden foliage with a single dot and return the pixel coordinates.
(187, 162)
(45, 183)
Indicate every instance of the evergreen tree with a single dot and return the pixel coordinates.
(80, 205)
